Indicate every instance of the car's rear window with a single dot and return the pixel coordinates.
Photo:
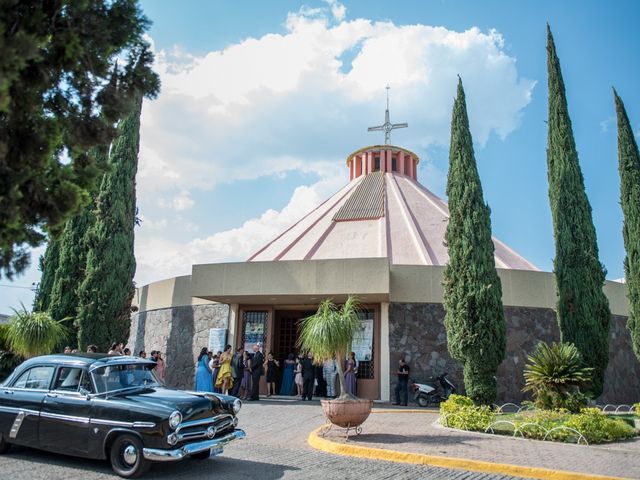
(36, 378)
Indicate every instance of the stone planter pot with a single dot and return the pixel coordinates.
(636, 423)
(347, 413)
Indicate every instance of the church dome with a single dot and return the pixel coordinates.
(382, 212)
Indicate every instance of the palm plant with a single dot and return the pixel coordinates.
(555, 374)
(328, 333)
(34, 333)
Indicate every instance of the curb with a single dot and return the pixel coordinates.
(319, 443)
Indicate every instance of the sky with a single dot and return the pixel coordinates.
(262, 102)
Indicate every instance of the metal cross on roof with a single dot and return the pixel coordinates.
(387, 126)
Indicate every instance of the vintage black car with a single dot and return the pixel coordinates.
(111, 407)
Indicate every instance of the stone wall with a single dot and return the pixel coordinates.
(179, 333)
(416, 330)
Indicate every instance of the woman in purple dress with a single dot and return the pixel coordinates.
(245, 385)
(214, 365)
(350, 374)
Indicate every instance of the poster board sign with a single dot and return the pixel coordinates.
(217, 339)
(362, 344)
(254, 329)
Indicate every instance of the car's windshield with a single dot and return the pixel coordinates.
(119, 377)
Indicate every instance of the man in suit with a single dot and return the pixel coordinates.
(308, 377)
(257, 370)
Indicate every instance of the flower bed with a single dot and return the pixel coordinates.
(588, 426)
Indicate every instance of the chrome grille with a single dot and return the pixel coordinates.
(200, 428)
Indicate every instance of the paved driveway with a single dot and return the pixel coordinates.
(275, 448)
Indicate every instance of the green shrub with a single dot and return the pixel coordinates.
(4, 331)
(636, 408)
(594, 426)
(8, 362)
(460, 412)
(554, 375)
(597, 427)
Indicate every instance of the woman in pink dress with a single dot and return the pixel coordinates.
(159, 364)
(298, 378)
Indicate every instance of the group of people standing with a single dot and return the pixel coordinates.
(238, 374)
(120, 349)
(230, 373)
(303, 378)
(213, 371)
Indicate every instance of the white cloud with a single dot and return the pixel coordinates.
(159, 258)
(338, 10)
(179, 203)
(301, 101)
(606, 123)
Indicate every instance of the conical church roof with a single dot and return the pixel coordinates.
(382, 212)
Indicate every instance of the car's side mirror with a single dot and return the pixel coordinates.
(84, 392)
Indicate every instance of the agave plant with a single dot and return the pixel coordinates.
(328, 333)
(34, 333)
(555, 374)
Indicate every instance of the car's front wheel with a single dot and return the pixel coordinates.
(126, 457)
(4, 446)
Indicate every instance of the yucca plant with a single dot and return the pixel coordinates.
(328, 334)
(555, 374)
(34, 333)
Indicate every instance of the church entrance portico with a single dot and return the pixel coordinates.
(277, 329)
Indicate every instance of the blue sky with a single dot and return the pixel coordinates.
(262, 102)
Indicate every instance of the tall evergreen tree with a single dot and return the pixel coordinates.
(48, 265)
(476, 329)
(71, 270)
(582, 308)
(629, 167)
(107, 289)
(69, 70)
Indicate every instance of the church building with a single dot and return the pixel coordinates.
(381, 238)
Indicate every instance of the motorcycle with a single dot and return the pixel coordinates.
(433, 392)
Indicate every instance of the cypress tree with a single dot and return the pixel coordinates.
(582, 308)
(71, 270)
(107, 290)
(48, 265)
(629, 168)
(476, 329)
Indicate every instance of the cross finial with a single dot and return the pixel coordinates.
(387, 126)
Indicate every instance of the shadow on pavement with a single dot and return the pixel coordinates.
(231, 468)
(381, 439)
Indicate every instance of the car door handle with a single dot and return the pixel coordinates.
(8, 392)
(52, 395)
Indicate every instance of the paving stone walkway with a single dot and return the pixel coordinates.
(419, 433)
(276, 448)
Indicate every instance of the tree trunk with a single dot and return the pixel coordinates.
(344, 395)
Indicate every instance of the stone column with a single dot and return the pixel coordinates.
(234, 309)
(385, 354)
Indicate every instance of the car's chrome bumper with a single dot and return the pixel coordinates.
(158, 455)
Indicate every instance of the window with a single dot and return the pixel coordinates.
(119, 377)
(69, 379)
(363, 345)
(376, 166)
(255, 329)
(36, 378)
(394, 164)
